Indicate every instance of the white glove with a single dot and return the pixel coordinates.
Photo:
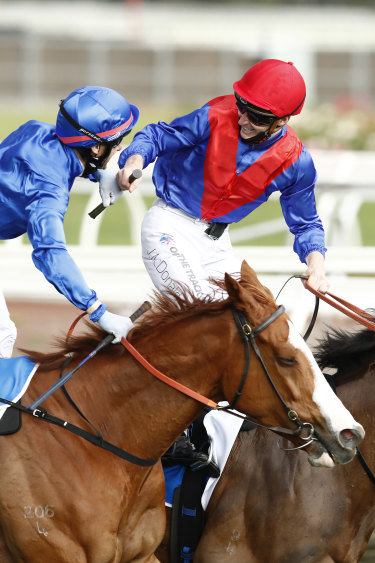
(117, 325)
(108, 187)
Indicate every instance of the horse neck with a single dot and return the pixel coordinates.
(358, 395)
(141, 413)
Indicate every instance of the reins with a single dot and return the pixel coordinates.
(338, 303)
(247, 335)
(164, 378)
(345, 307)
(97, 438)
(316, 307)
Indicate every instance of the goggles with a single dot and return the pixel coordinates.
(119, 140)
(257, 118)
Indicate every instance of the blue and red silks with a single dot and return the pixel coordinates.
(225, 188)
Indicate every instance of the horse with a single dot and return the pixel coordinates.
(63, 499)
(271, 505)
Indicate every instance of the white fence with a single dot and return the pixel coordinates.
(119, 277)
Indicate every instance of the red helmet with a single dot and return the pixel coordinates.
(273, 85)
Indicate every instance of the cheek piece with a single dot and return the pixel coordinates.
(93, 163)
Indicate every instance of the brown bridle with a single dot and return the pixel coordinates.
(248, 335)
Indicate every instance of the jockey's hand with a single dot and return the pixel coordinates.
(108, 187)
(135, 161)
(315, 272)
(117, 325)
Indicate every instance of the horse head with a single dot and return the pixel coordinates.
(284, 385)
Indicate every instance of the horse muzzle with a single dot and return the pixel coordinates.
(328, 452)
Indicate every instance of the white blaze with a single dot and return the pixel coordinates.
(338, 418)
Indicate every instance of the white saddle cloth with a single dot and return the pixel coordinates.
(222, 428)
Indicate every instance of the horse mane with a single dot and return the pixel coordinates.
(166, 308)
(345, 352)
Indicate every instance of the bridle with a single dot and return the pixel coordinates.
(248, 335)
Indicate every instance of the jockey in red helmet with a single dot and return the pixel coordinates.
(267, 95)
(214, 167)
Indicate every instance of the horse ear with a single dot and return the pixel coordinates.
(250, 280)
(249, 290)
(247, 273)
(236, 291)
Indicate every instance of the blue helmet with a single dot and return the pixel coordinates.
(94, 114)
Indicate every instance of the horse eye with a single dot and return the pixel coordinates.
(286, 361)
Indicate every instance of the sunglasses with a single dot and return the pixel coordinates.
(253, 116)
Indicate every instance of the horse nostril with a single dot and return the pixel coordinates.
(350, 438)
(347, 434)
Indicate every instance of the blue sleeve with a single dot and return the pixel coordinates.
(160, 138)
(50, 255)
(299, 208)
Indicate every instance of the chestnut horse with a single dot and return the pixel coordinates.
(271, 505)
(63, 500)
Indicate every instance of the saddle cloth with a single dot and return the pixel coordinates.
(222, 428)
(15, 377)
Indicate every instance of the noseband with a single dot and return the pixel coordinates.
(248, 335)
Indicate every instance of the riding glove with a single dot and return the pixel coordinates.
(117, 325)
(108, 187)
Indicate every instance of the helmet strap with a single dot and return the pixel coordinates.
(260, 138)
(92, 162)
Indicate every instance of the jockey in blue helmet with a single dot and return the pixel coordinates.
(92, 116)
(39, 163)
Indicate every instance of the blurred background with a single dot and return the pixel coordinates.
(169, 58)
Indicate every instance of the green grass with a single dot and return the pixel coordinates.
(366, 220)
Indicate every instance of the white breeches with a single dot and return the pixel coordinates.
(8, 331)
(176, 248)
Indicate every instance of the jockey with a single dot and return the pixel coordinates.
(217, 165)
(38, 165)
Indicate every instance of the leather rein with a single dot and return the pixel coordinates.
(345, 307)
(336, 302)
(248, 336)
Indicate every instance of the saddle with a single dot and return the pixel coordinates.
(15, 377)
(11, 421)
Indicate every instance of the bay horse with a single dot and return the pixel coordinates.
(63, 500)
(270, 505)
